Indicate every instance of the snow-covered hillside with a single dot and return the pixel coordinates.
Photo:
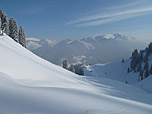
(91, 50)
(29, 84)
(118, 71)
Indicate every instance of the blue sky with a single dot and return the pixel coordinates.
(75, 19)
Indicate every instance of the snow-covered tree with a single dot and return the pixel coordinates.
(71, 68)
(22, 39)
(140, 57)
(146, 73)
(141, 74)
(13, 30)
(146, 57)
(65, 64)
(123, 60)
(146, 66)
(134, 61)
(137, 59)
(150, 48)
(139, 67)
(128, 70)
(5, 23)
(78, 69)
(1, 21)
(1, 13)
(151, 69)
(0, 26)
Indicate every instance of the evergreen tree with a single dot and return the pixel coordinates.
(78, 69)
(135, 53)
(151, 69)
(141, 74)
(65, 64)
(146, 57)
(1, 13)
(13, 30)
(134, 61)
(71, 68)
(139, 67)
(5, 23)
(22, 39)
(146, 73)
(141, 57)
(0, 26)
(128, 70)
(123, 60)
(146, 67)
(150, 48)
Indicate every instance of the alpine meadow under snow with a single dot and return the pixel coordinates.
(30, 84)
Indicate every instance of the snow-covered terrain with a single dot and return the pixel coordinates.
(29, 84)
(118, 71)
(97, 49)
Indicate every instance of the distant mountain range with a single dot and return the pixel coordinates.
(92, 50)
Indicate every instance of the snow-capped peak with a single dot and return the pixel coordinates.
(47, 42)
(116, 36)
(108, 36)
(119, 36)
(112, 36)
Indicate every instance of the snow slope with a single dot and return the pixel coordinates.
(118, 71)
(29, 84)
(115, 70)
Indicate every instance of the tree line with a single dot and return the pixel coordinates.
(9, 26)
(140, 62)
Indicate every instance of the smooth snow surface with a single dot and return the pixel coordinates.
(31, 85)
(118, 71)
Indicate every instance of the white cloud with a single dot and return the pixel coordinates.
(107, 20)
(102, 18)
